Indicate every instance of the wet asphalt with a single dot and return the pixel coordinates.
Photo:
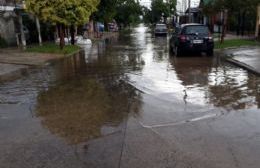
(127, 102)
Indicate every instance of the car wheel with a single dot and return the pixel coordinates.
(178, 51)
(210, 52)
(172, 49)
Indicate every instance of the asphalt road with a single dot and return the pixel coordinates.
(128, 103)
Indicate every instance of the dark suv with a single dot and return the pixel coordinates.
(192, 37)
(160, 30)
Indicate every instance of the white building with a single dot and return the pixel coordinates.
(8, 20)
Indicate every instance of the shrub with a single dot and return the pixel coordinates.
(3, 42)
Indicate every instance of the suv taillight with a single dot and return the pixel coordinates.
(183, 38)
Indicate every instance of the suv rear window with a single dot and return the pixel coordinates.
(196, 29)
(161, 27)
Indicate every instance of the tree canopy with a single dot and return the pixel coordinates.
(106, 11)
(66, 12)
(159, 9)
(63, 13)
(128, 11)
(238, 12)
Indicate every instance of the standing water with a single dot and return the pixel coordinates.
(100, 107)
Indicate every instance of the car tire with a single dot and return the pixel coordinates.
(178, 51)
(210, 52)
(172, 49)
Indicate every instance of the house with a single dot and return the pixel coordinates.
(214, 21)
(195, 14)
(9, 23)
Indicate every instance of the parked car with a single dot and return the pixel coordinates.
(160, 29)
(112, 27)
(192, 37)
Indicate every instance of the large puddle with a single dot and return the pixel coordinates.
(90, 95)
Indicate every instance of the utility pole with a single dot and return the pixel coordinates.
(224, 25)
(257, 22)
(189, 11)
(23, 39)
(38, 30)
(184, 6)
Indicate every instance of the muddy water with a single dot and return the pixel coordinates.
(82, 106)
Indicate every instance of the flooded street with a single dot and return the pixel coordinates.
(127, 102)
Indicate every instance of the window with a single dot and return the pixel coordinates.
(196, 29)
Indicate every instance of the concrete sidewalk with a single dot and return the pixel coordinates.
(245, 57)
(14, 62)
(19, 57)
(10, 72)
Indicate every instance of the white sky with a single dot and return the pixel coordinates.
(180, 5)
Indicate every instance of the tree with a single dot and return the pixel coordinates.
(172, 6)
(106, 11)
(147, 15)
(161, 8)
(238, 12)
(63, 13)
(128, 12)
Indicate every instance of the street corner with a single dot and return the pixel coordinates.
(245, 57)
(9, 72)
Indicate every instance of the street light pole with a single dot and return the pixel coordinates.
(257, 22)
(189, 11)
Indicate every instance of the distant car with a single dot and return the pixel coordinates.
(112, 27)
(161, 29)
(100, 27)
(192, 37)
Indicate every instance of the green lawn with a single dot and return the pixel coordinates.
(235, 43)
(53, 49)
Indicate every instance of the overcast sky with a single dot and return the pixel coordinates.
(180, 5)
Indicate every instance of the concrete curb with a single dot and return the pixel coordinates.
(51, 61)
(243, 65)
(11, 70)
(14, 72)
(74, 53)
(233, 61)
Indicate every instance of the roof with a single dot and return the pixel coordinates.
(10, 5)
(7, 3)
(191, 24)
(160, 24)
(206, 2)
(193, 10)
(7, 8)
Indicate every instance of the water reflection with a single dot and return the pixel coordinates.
(134, 72)
(192, 70)
(236, 91)
(221, 85)
(90, 94)
(161, 48)
(77, 110)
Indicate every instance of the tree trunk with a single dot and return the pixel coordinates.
(39, 30)
(224, 27)
(106, 26)
(243, 23)
(72, 34)
(23, 39)
(57, 33)
(238, 23)
(257, 22)
(62, 41)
